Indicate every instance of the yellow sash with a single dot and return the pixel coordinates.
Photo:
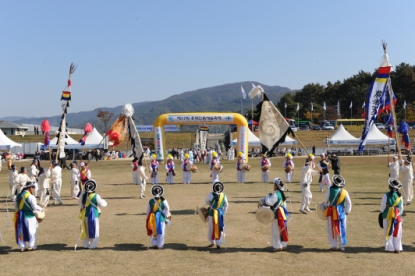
(216, 218)
(152, 223)
(339, 200)
(21, 204)
(391, 215)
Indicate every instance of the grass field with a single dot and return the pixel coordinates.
(123, 241)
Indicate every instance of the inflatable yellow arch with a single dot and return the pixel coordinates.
(209, 118)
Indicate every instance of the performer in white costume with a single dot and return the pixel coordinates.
(139, 174)
(56, 183)
(288, 163)
(305, 182)
(158, 210)
(215, 173)
(408, 176)
(339, 206)
(170, 170)
(22, 179)
(44, 178)
(12, 181)
(391, 209)
(394, 168)
(240, 172)
(323, 165)
(218, 203)
(89, 203)
(74, 180)
(186, 164)
(265, 162)
(33, 172)
(25, 220)
(154, 167)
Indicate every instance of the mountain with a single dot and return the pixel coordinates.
(12, 118)
(222, 98)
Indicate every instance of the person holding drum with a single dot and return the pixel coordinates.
(154, 167)
(391, 209)
(158, 214)
(25, 220)
(240, 171)
(265, 166)
(89, 203)
(186, 166)
(339, 206)
(288, 166)
(218, 206)
(215, 167)
(170, 170)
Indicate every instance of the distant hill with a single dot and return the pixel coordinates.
(12, 118)
(222, 98)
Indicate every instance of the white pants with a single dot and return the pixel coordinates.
(187, 177)
(305, 202)
(159, 239)
(408, 191)
(12, 191)
(142, 179)
(325, 180)
(276, 238)
(57, 186)
(136, 180)
(265, 176)
(32, 225)
(210, 230)
(393, 243)
(215, 176)
(170, 178)
(336, 241)
(74, 188)
(43, 198)
(289, 176)
(155, 179)
(91, 243)
(240, 176)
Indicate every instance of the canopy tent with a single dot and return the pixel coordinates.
(376, 137)
(70, 143)
(252, 122)
(94, 140)
(342, 137)
(6, 143)
(253, 141)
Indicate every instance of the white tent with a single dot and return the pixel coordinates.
(6, 143)
(376, 137)
(70, 143)
(253, 141)
(94, 139)
(343, 137)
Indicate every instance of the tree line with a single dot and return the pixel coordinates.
(351, 90)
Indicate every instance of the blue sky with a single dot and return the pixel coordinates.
(133, 51)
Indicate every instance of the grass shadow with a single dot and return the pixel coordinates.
(183, 212)
(5, 250)
(55, 247)
(125, 247)
(240, 201)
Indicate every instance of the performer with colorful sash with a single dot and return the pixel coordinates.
(391, 208)
(170, 170)
(339, 207)
(279, 227)
(186, 164)
(408, 176)
(324, 179)
(154, 167)
(218, 204)
(214, 163)
(25, 223)
(157, 216)
(89, 203)
(265, 172)
(84, 176)
(240, 172)
(288, 163)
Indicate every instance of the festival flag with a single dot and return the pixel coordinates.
(403, 129)
(243, 93)
(385, 103)
(285, 105)
(376, 93)
(338, 108)
(388, 121)
(364, 104)
(45, 126)
(312, 108)
(87, 130)
(351, 105)
(273, 128)
(324, 105)
(404, 105)
(298, 106)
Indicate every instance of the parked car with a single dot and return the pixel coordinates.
(325, 125)
(315, 128)
(293, 128)
(380, 126)
(304, 127)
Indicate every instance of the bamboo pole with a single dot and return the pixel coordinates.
(395, 129)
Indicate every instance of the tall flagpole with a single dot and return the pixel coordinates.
(252, 111)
